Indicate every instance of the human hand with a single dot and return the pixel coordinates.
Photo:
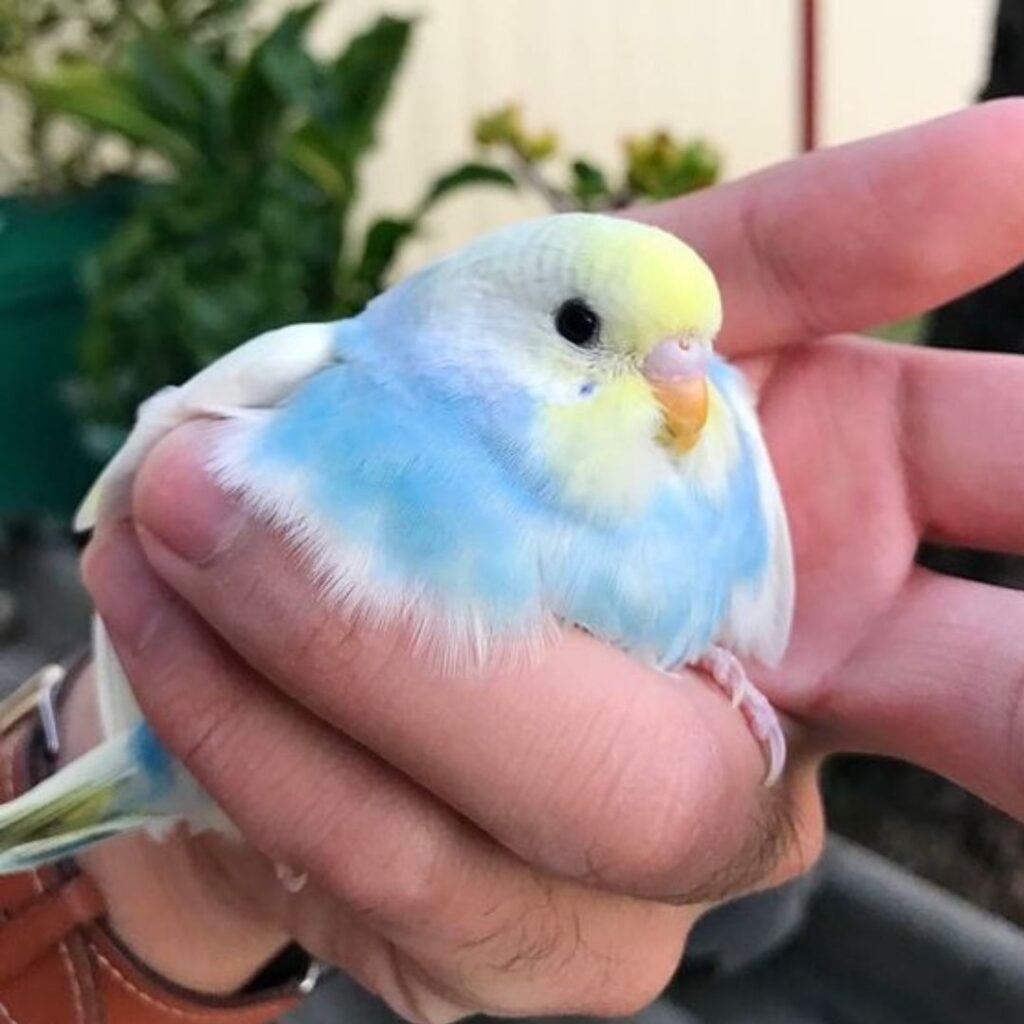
(481, 844)
(879, 446)
(536, 841)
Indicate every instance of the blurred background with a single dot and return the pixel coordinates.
(723, 70)
(178, 175)
(190, 172)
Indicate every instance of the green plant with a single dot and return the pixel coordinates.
(40, 34)
(252, 226)
(655, 166)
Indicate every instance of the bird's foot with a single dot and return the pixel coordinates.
(729, 674)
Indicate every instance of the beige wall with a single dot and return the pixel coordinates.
(893, 62)
(595, 70)
(599, 69)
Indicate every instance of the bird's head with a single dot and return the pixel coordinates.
(602, 325)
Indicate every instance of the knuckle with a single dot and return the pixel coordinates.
(558, 953)
(528, 940)
(412, 993)
(651, 824)
(635, 983)
(409, 881)
(793, 828)
(780, 277)
(803, 851)
(624, 998)
(201, 735)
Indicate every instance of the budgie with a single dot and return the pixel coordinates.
(533, 432)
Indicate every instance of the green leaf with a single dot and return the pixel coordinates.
(386, 236)
(216, 14)
(320, 154)
(102, 99)
(361, 79)
(278, 74)
(588, 182)
(473, 173)
(177, 85)
(383, 240)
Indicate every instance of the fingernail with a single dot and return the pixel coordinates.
(127, 594)
(177, 502)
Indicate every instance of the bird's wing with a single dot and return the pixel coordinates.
(760, 614)
(260, 374)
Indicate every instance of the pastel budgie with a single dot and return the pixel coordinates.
(533, 431)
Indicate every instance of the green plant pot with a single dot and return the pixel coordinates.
(44, 468)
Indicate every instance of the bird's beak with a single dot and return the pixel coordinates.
(677, 373)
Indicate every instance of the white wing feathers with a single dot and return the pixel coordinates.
(258, 375)
(760, 616)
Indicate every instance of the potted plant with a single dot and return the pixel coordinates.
(65, 199)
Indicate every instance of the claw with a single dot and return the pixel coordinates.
(291, 880)
(727, 671)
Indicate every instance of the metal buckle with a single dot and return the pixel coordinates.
(36, 695)
(313, 976)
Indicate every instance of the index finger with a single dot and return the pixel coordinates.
(862, 234)
(586, 764)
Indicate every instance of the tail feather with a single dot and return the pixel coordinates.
(36, 852)
(119, 710)
(115, 788)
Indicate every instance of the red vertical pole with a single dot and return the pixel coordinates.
(809, 75)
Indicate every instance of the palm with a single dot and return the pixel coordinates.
(829, 410)
(877, 445)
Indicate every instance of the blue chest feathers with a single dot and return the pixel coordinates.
(436, 513)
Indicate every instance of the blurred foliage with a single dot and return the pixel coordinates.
(655, 166)
(42, 34)
(660, 167)
(504, 126)
(253, 226)
(909, 331)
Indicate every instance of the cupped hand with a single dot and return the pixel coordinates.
(543, 840)
(537, 840)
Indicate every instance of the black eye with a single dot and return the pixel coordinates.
(577, 322)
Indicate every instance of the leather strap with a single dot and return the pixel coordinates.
(60, 963)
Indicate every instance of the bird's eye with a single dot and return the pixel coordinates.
(577, 322)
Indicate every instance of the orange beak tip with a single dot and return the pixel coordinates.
(685, 404)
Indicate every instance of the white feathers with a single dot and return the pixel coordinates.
(450, 638)
(258, 375)
(119, 710)
(760, 615)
